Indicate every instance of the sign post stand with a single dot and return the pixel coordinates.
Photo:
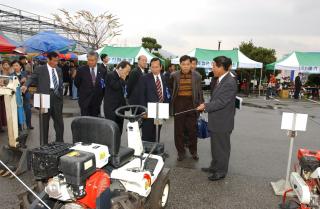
(292, 122)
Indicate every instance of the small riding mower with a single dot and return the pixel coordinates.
(96, 171)
(305, 182)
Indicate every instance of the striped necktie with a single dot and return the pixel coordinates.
(55, 83)
(159, 89)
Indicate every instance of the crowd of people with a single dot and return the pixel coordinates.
(96, 84)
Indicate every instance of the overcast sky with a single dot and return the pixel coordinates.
(182, 25)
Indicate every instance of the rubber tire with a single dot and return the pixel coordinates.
(154, 200)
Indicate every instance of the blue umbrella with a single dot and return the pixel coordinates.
(48, 41)
(40, 57)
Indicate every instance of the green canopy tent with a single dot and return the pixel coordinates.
(205, 57)
(305, 62)
(117, 54)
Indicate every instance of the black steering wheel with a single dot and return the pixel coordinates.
(138, 111)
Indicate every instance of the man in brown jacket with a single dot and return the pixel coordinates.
(186, 95)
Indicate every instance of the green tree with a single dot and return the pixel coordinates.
(259, 54)
(151, 44)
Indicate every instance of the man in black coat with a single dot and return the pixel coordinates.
(66, 77)
(152, 88)
(297, 86)
(90, 83)
(134, 76)
(114, 96)
(105, 61)
(221, 111)
(48, 79)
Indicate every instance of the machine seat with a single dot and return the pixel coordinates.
(102, 131)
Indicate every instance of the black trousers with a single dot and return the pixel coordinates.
(149, 130)
(296, 93)
(55, 112)
(93, 109)
(220, 151)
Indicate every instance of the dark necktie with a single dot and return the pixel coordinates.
(55, 82)
(93, 77)
(159, 89)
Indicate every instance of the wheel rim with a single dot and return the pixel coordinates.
(165, 195)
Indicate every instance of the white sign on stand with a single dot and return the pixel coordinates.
(163, 110)
(292, 122)
(45, 100)
(158, 111)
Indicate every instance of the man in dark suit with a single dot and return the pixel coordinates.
(297, 86)
(152, 88)
(90, 83)
(221, 111)
(114, 96)
(105, 61)
(167, 74)
(186, 95)
(66, 77)
(48, 79)
(133, 80)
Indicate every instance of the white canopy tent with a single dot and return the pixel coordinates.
(205, 57)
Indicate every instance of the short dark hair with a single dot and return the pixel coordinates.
(185, 58)
(223, 61)
(15, 61)
(170, 65)
(155, 59)
(51, 55)
(194, 59)
(93, 53)
(123, 64)
(103, 56)
(22, 57)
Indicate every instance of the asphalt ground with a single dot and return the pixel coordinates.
(259, 155)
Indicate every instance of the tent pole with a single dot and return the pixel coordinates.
(260, 82)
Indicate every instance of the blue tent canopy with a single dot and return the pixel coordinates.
(48, 41)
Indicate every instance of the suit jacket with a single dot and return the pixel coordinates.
(41, 78)
(221, 108)
(88, 93)
(197, 94)
(106, 69)
(114, 94)
(148, 90)
(132, 86)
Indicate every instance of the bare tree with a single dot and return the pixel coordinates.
(96, 31)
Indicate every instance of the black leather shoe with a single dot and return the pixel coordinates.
(31, 128)
(195, 156)
(216, 176)
(181, 157)
(207, 170)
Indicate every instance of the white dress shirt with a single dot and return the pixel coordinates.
(221, 77)
(50, 75)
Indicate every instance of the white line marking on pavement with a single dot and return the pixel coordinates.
(313, 101)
